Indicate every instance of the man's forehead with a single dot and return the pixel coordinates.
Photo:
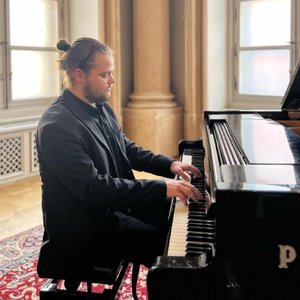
(103, 61)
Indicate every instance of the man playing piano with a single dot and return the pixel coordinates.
(92, 204)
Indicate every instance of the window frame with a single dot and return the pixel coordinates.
(240, 101)
(12, 111)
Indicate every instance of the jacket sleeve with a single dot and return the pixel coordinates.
(64, 160)
(146, 160)
(139, 158)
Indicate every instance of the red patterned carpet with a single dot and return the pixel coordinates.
(18, 277)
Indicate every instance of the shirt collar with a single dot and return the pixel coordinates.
(92, 111)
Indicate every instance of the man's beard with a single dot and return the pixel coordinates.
(95, 98)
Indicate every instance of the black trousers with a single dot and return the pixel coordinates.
(140, 235)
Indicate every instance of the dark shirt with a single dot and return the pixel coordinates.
(98, 116)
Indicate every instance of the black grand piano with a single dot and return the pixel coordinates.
(254, 168)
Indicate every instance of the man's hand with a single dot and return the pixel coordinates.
(183, 190)
(184, 170)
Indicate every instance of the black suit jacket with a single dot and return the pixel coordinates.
(81, 183)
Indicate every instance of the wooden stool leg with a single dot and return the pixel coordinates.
(134, 279)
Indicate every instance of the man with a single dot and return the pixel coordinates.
(93, 207)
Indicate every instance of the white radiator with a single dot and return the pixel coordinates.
(18, 155)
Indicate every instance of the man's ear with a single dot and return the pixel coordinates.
(78, 76)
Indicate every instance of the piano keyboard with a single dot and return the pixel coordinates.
(192, 233)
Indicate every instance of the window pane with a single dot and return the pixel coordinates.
(264, 72)
(34, 74)
(265, 22)
(33, 23)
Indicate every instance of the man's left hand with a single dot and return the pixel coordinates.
(184, 170)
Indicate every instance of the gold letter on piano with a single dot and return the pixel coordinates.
(287, 254)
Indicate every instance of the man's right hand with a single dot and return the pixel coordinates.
(183, 190)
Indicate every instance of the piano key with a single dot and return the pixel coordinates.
(205, 222)
(178, 231)
(192, 231)
(200, 238)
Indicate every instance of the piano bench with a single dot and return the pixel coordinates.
(108, 276)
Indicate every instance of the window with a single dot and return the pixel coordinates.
(29, 74)
(264, 51)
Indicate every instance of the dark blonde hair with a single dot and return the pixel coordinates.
(80, 54)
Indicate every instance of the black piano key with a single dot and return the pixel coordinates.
(196, 206)
(209, 222)
(199, 245)
(199, 227)
(200, 238)
(201, 233)
(196, 252)
(199, 248)
(200, 208)
(197, 214)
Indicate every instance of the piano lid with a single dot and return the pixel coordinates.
(263, 141)
(291, 99)
(270, 152)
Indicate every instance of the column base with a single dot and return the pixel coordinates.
(158, 130)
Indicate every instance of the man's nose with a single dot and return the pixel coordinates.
(112, 79)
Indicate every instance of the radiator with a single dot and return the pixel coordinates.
(18, 155)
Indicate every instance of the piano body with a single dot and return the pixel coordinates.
(254, 168)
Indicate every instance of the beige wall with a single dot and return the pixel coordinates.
(197, 61)
(127, 51)
(177, 25)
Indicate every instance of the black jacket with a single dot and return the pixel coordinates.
(80, 183)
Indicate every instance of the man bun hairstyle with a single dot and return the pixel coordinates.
(63, 45)
(80, 54)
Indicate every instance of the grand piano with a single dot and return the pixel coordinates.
(254, 167)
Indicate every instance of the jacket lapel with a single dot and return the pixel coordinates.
(72, 104)
(121, 148)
